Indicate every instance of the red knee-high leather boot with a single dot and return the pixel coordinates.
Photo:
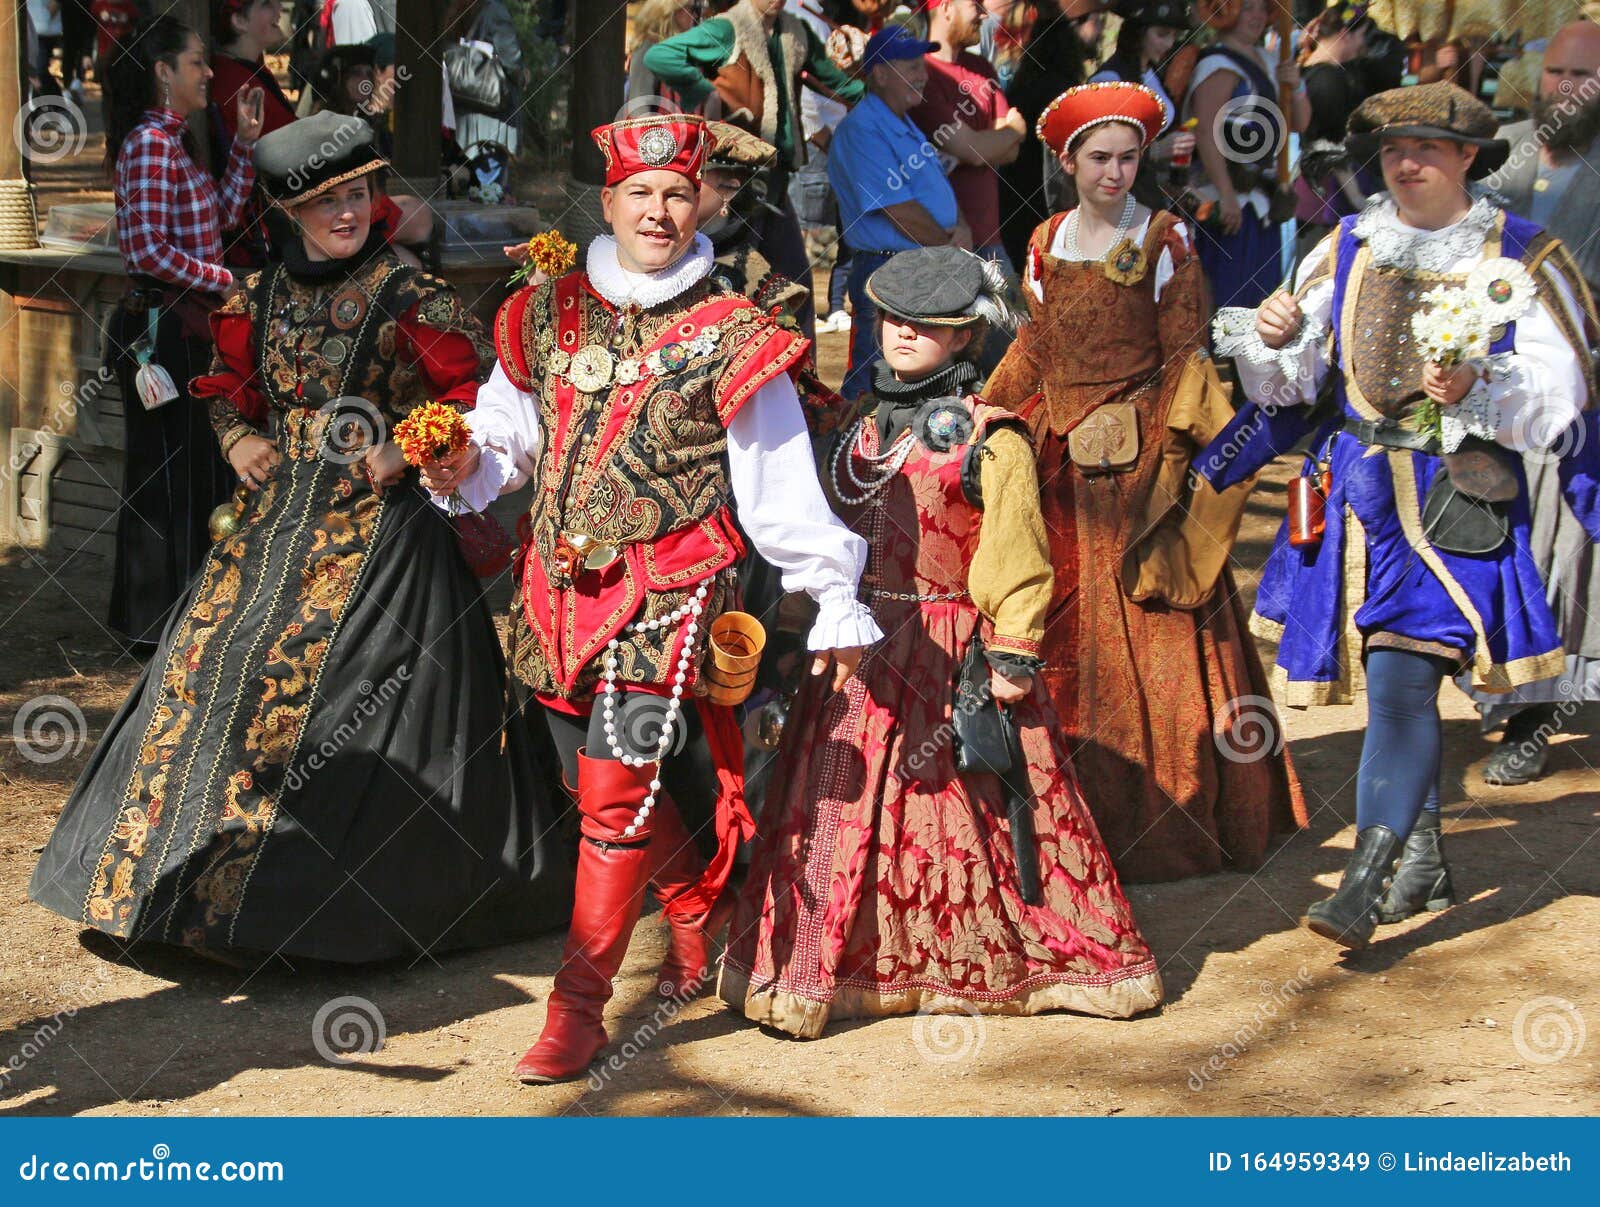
(606, 902)
(677, 866)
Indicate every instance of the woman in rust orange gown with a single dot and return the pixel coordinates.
(885, 880)
(1147, 657)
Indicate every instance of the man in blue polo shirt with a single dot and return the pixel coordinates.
(890, 183)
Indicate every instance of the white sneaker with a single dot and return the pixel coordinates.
(839, 320)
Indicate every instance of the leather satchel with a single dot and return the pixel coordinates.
(1458, 522)
(478, 80)
(983, 739)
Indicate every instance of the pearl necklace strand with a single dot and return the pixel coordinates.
(1074, 252)
(892, 462)
(692, 611)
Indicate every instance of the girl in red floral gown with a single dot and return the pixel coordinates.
(884, 880)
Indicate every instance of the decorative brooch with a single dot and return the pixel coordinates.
(1125, 263)
(593, 367)
(1503, 287)
(943, 425)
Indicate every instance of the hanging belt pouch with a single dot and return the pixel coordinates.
(153, 384)
(1466, 508)
(982, 728)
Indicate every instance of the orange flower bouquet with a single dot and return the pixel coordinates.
(549, 252)
(431, 432)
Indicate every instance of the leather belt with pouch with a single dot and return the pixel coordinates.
(1466, 508)
(1106, 440)
(1465, 511)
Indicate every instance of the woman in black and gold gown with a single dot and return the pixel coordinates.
(315, 762)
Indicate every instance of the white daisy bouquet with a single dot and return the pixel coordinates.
(1452, 327)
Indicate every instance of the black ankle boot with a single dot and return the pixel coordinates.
(1524, 748)
(1422, 881)
(1350, 915)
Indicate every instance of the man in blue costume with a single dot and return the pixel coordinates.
(1423, 568)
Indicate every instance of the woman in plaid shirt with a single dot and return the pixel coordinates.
(170, 219)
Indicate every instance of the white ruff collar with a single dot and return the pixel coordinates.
(645, 289)
(1396, 245)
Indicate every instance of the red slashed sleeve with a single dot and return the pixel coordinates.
(446, 344)
(231, 391)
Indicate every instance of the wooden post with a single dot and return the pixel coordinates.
(1283, 19)
(12, 28)
(600, 46)
(419, 96)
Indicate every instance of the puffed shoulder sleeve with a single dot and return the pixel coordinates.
(525, 320)
(446, 343)
(764, 351)
(231, 389)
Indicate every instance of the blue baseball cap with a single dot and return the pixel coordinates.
(892, 44)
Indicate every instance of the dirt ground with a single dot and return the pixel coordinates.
(1480, 1010)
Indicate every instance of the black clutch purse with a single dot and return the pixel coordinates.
(983, 739)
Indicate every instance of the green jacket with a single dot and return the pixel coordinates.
(688, 60)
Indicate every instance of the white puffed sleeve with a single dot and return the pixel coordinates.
(782, 509)
(1291, 375)
(505, 425)
(1527, 398)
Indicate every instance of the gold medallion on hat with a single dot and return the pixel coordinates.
(658, 147)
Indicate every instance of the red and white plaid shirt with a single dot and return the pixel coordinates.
(170, 212)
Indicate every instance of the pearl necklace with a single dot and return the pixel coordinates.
(892, 462)
(1074, 252)
(692, 611)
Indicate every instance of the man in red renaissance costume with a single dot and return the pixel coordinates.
(649, 406)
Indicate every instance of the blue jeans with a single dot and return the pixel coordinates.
(865, 350)
(814, 203)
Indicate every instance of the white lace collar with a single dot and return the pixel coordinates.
(1396, 245)
(621, 287)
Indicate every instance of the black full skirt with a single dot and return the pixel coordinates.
(328, 774)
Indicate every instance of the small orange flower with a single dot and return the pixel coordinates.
(432, 431)
(549, 252)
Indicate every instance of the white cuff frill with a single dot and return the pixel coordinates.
(1235, 335)
(842, 621)
(1477, 414)
(495, 469)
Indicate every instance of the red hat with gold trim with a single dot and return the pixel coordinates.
(1080, 109)
(672, 142)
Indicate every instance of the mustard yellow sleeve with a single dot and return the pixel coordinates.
(1011, 577)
